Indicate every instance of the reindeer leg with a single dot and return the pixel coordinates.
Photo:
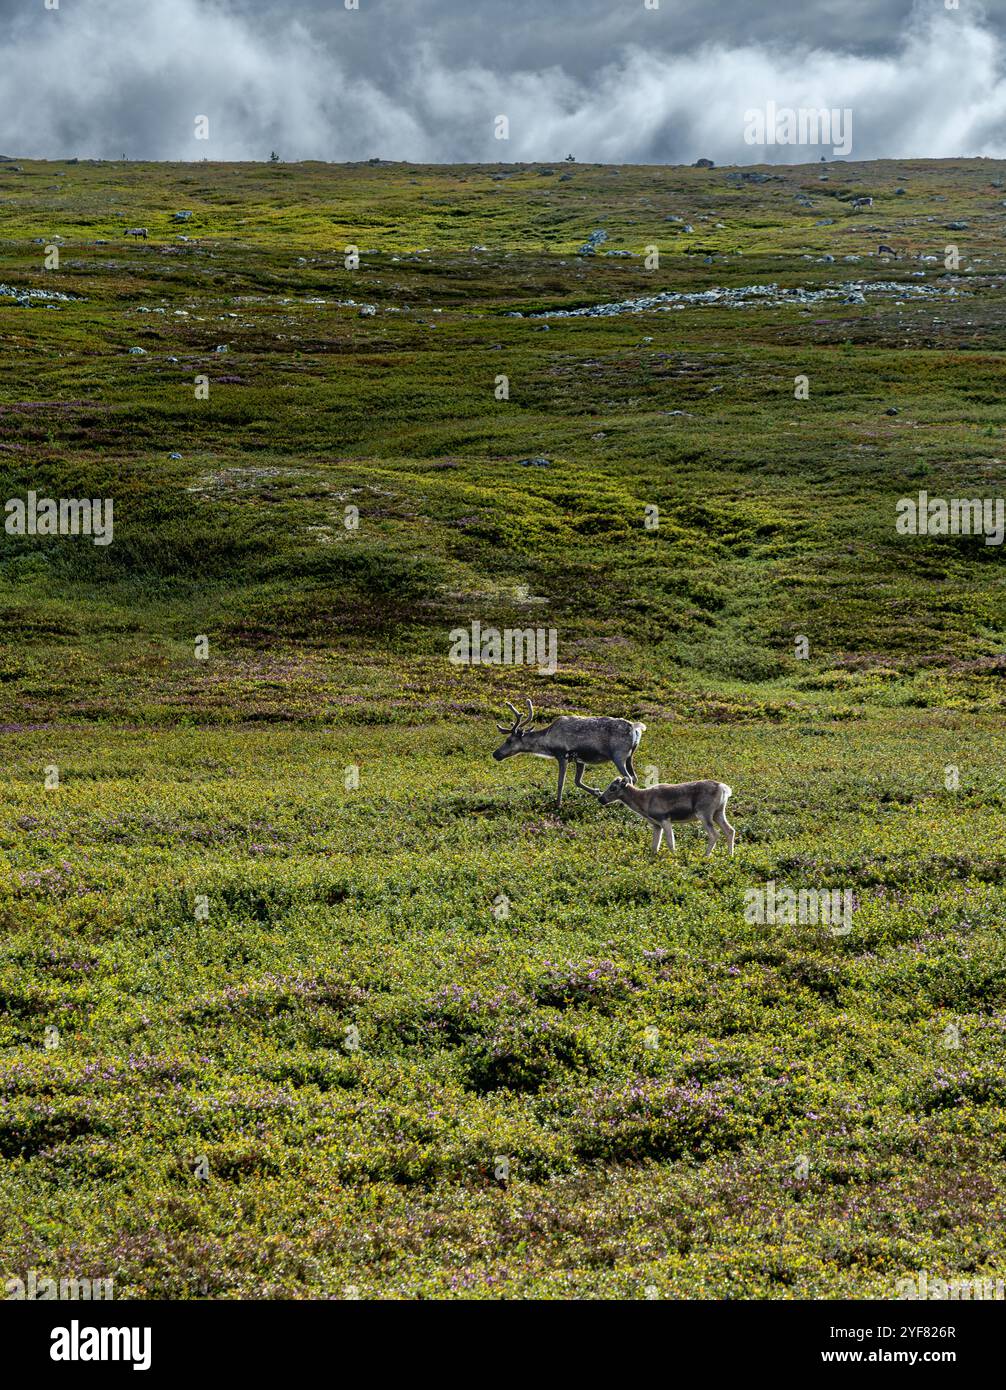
(624, 766)
(580, 769)
(658, 835)
(562, 778)
(724, 825)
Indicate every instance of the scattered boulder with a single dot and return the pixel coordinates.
(539, 462)
(596, 239)
(849, 292)
(703, 164)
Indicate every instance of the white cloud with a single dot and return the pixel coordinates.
(113, 77)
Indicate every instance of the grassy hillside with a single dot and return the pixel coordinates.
(295, 1052)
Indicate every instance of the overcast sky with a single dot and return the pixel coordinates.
(425, 80)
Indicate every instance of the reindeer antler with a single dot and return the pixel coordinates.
(517, 717)
(519, 720)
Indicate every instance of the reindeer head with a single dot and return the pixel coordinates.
(614, 791)
(522, 724)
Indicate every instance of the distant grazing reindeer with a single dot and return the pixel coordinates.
(573, 739)
(669, 802)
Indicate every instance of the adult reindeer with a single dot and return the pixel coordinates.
(573, 738)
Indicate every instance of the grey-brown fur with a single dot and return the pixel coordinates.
(670, 803)
(573, 738)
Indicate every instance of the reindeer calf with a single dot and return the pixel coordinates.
(669, 802)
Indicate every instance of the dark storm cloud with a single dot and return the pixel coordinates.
(425, 79)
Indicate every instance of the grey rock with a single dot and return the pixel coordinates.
(597, 238)
(740, 297)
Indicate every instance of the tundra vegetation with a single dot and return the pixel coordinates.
(263, 1031)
